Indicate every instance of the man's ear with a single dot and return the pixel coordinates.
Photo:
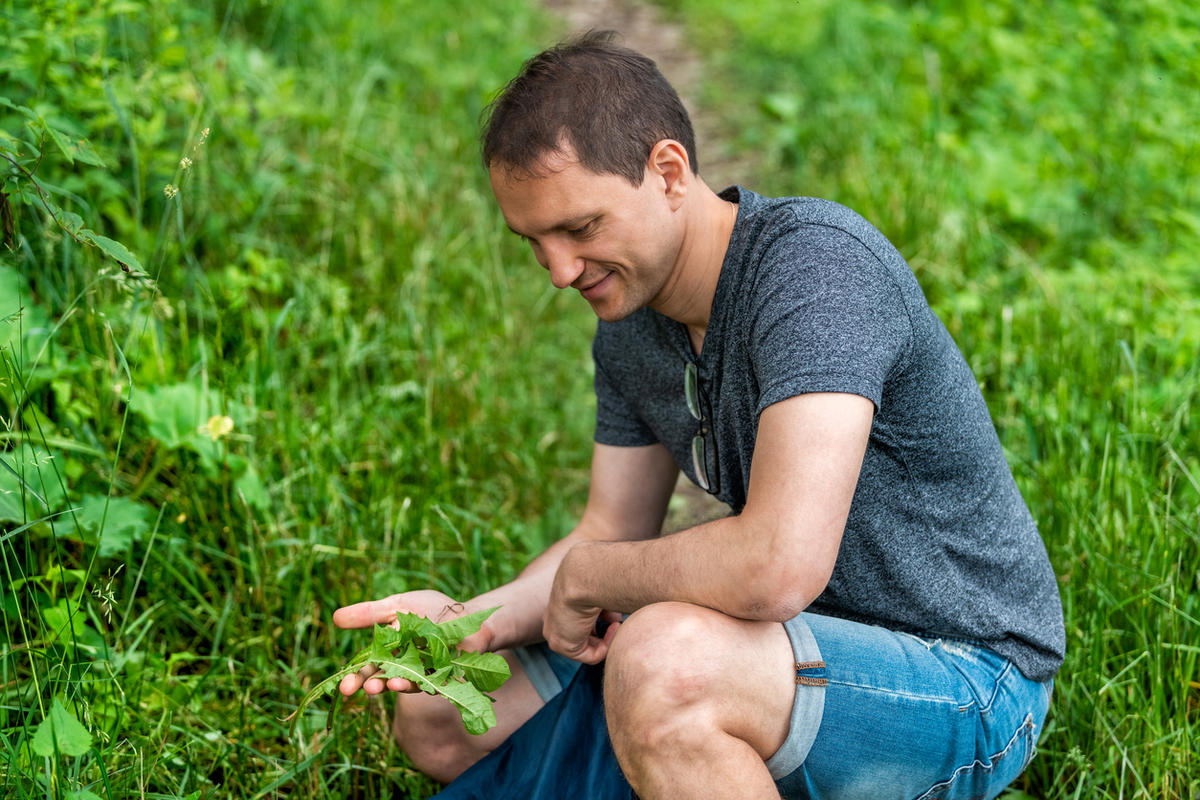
(668, 163)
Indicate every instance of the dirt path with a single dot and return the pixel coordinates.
(645, 29)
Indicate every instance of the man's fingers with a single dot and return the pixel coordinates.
(401, 685)
(352, 683)
(369, 680)
(367, 613)
(597, 647)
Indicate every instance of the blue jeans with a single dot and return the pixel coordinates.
(881, 714)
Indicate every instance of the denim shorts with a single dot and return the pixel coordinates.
(884, 714)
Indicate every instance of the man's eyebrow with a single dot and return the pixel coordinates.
(565, 225)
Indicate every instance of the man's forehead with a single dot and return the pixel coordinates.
(546, 164)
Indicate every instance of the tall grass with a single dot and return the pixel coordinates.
(409, 400)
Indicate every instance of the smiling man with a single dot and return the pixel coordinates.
(876, 618)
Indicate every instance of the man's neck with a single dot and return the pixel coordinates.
(688, 297)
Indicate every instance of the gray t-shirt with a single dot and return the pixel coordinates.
(812, 298)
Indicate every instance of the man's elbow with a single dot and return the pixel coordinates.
(784, 583)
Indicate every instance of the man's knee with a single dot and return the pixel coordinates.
(657, 674)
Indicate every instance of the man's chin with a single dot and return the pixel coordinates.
(609, 312)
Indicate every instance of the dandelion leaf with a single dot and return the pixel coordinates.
(410, 665)
(486, 670)
(455, 630)
(425, 653)
(384, 642)
(474, 706)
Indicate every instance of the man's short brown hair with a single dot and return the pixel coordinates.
(609, 103)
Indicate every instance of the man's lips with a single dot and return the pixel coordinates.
(594, 288)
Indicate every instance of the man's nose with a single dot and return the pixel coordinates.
(564, 265)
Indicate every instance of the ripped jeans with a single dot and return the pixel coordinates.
(904, 717)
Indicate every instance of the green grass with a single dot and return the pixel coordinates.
(411, 401)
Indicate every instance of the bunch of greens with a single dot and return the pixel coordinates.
(426, 653)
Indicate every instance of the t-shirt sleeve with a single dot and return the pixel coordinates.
(617, 423)
(826, 316)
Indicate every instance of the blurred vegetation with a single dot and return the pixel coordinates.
(266, 348)
(321, 373)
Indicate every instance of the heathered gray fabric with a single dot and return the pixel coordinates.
(812, 298)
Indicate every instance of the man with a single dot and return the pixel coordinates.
(878, 617)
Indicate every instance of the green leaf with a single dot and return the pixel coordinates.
(412, 626)
(435, 643)
(82, 794)
(63, 619)
(407, 625)
(431, 664)
(384, 643)
(114, 522)
(61, 733)
(175, 412)
(55, 137)
(474, 706)
(251, 486)
(20, 317)
(71, 222)
(31, 475)
(409, 666)
(87, 154)
(486, 670)
(455, 630)
(113, 248)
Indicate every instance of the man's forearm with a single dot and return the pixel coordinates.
(731, 565)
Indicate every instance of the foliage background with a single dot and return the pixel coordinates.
(324, 373)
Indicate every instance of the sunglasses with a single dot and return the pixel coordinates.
(691, 391)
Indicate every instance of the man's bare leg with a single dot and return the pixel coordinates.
(430, 730)
(697, 701)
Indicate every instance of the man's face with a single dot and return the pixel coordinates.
(614, 243)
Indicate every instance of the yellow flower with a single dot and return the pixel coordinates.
(217, 427)
(170, 190)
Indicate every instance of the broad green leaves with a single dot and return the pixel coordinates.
(426, 653)
(61, 733)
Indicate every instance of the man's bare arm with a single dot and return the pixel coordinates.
(627, 500)
(768, 563)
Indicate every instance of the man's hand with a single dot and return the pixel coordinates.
(570, 627)
(425, 603)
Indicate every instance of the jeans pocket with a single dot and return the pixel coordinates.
(987, 777)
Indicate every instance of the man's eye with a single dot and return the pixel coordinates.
(582, 230)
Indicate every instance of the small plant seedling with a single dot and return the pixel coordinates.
(427, 653)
